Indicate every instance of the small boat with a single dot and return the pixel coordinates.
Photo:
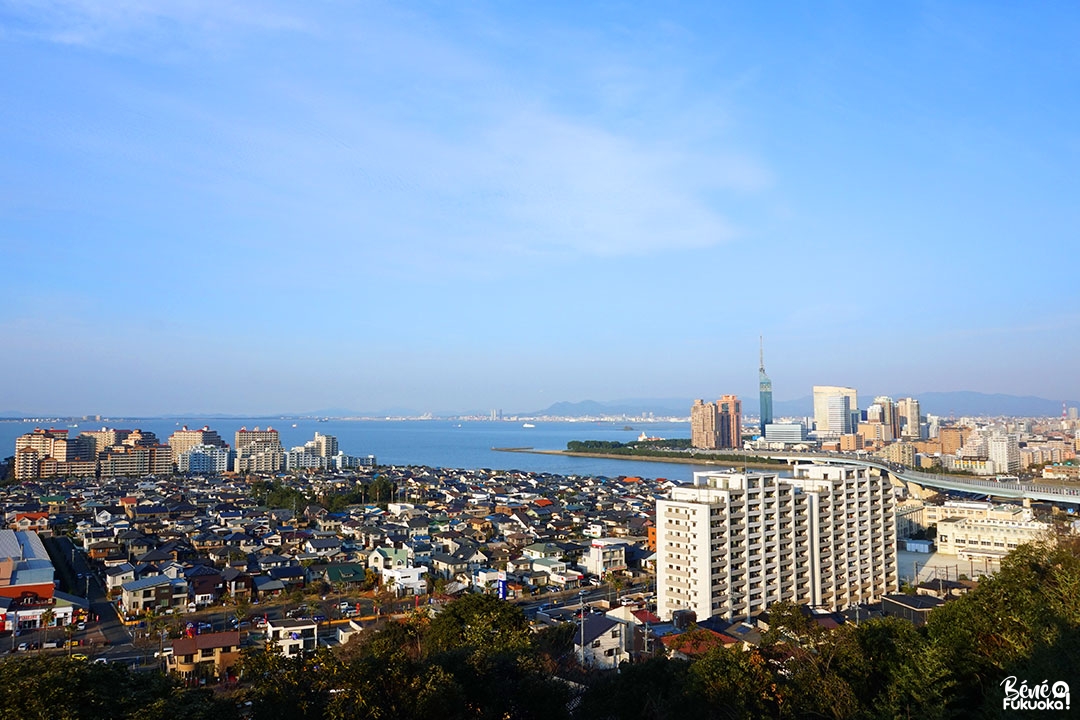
(527, 425)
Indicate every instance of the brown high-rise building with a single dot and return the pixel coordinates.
(952, 439)
(703, 425)
(184, 439)
(729, 408)
(715, 426)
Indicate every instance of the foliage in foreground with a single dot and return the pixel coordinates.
(478, 659)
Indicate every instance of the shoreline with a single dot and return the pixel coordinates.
(645, 458)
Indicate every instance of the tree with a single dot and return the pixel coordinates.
(47, 617)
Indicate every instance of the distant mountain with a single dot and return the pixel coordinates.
(935, 403)
(975, 403)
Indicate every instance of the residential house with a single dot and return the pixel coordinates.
(291, 637)
(206, 656)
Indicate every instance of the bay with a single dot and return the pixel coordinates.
(434, 443)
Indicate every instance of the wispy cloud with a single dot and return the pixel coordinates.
(122, 25)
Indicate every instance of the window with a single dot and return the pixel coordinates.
(596, 643)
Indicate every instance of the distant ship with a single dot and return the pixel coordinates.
(527, 425)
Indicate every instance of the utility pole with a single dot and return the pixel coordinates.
(581, 598)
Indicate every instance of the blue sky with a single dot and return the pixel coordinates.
(266, 207)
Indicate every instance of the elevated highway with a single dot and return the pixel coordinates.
(993, 488)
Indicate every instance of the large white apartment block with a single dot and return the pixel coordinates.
(732, 544)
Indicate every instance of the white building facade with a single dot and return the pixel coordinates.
(732, 544)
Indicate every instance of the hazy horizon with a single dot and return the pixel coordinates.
(250, 207)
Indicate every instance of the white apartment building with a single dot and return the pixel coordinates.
(203, 459)
(732, 544)
(1004, 452)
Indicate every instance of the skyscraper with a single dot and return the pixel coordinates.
(822, 393)
(718, 425)
(729, 409)
(764, 389)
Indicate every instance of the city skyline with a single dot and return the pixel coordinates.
(260, 208)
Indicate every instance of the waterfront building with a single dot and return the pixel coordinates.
(204, 459)
(184, 439)
(822, 393)
(788, 433)
(732, 544)
(245, 437)
(136, 461)
(100, 440)
(258, 451)
(301, 458)
(704, 422)
(764, 390)
(729, 412)
(33, 447)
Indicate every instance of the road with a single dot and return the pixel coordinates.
(108, 630)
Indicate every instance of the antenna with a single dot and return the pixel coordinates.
(761, 353)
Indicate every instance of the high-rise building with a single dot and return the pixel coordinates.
(715, 426)
(1004, 451)
(731, 544)
(184, 439)
(325, 446)
(890, 415)
(104, 438)
(258, 450)
(1074, 413)
(910, 418)
(764, 389)
(703, 425)
(245, 437)
(34, 447)
(952, 438)
(204, 459)
(729, 411)
(838, 415)
(822, 393)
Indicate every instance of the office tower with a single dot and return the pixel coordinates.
(822, 393)
(764, 389)
(838, 415)
(910, 418)
(729, 412)
(731, 544)
(889, 413)
(1074, 413)
(184, 439)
